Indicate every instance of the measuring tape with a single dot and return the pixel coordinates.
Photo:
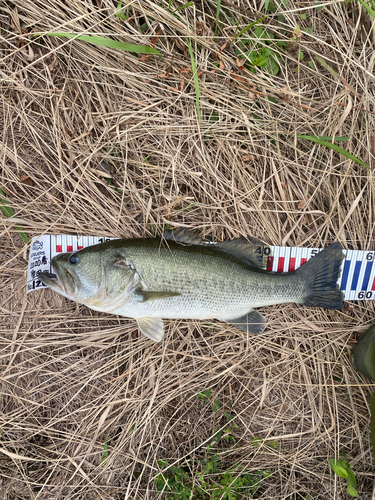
(357, 279)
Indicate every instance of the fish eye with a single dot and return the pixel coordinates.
(73, 259)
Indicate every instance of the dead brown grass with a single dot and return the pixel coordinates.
(73, 115)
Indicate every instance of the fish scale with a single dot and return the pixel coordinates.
(205, 287)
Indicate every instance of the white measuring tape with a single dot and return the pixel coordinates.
(357, 279)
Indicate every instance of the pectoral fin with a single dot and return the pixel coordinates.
(153, 328)
(253, 322)
(122, 263)
(145, 295)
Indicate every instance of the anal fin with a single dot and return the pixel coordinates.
(153, 328)
(252, 322)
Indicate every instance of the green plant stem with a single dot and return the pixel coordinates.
(106, 42)
(334, 147)
(9, 212)
(196, 80)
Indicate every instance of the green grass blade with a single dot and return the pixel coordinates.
(196, 81)
(329, 138)
(21, 234)
(218, 5)
(105, 452)
(336, 75)
(327, 66)
(368, 8)
(189, 206)
(238, 23)
(107, 42)
(334, 147)
(248, 27)
(118, 11)
(9, 212)
(188, 4)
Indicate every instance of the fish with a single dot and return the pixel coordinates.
(179, 276)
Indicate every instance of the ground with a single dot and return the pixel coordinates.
(101, 141)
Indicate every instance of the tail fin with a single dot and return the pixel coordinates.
(321, 273)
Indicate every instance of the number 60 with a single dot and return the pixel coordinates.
(365, 295)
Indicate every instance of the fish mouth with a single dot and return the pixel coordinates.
(52, 281)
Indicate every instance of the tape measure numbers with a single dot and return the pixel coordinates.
(357, 279)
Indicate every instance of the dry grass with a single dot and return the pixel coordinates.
(74, 114)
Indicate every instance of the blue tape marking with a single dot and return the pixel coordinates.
(366, 277)
(345, 274)
(357, 269)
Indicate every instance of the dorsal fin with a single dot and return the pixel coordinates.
(183, 235)
(250, 250)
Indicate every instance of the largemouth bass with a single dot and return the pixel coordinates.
(179, 276)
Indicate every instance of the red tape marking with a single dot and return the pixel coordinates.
(269, 263)
(292, 264)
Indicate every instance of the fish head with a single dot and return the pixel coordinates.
(77, 274)
(90, 275)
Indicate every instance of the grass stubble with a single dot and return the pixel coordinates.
(96, 141)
